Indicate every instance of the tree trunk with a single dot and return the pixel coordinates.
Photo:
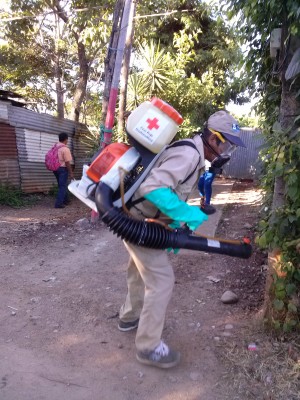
(80, 90)
(59, 90)
(125, 72)
(84, 67)
(289, 109)
(58, 73)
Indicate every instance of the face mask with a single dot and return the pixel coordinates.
(226, 148)
(217, 164)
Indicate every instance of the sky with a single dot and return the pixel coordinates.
(244, 109)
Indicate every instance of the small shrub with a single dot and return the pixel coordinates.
(14, 197)
(53, 191)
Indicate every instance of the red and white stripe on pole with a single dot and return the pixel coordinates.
(127, 17)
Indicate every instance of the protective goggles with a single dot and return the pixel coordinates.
(225, 147)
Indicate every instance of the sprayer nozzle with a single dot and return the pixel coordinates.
(246, 240)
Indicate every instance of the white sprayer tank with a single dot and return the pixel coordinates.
(154, 124)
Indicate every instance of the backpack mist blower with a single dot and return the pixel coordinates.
(116, 173)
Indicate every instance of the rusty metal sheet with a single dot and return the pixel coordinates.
(10, 172)
(33, 135)
(8, 146)
(9, 165)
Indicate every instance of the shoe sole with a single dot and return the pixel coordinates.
(208, 212)
(157, 364)
(131, 328)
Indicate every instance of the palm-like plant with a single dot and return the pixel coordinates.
(152, 74)
(137, 91)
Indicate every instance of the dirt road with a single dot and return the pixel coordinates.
(61, 287)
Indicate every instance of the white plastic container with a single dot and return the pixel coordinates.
(83, 188)
(154, 124)
(86, 185)
(126, 163)
(73, 187)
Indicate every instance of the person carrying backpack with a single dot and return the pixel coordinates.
(162, 196)
(59, 160)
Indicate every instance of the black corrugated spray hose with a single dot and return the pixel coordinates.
(155, 236)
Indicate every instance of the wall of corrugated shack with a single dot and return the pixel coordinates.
(245, 162)
(9, 164)
(26, 136)
(33, 135)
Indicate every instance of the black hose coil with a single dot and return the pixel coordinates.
(155, 236)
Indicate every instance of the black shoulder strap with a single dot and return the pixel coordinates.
(183, 143)
(191, 144)
(175, 144)
(132, 203)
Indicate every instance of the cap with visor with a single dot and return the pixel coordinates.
(224, 123)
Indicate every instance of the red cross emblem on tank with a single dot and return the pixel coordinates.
(152, 123)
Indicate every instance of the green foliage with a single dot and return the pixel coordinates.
(91, 141)
(285, 310)
(50, 42)
(151, 78)
(280, 228)
(282, 159)
(188, 58)
(10, 196)
(247, 121)
(13, 197)
(53, 191)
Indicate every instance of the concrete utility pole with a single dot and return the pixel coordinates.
(125, 70)
(109, 121)
(109, 62)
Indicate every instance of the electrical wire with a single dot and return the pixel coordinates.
(78, 10)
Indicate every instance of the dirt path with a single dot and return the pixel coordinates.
(61, 288)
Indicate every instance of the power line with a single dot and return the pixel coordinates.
(78, 10)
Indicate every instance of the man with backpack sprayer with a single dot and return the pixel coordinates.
(153, 209)
(150, 276)
(58, 160)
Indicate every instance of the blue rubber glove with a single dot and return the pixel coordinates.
(169, 203)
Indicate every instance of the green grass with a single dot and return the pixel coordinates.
(13, 197)
(53, 191)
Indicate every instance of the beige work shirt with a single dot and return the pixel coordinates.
(170, 171)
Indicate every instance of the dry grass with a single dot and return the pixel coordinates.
(272, 372)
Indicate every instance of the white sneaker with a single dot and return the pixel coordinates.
(162, 357)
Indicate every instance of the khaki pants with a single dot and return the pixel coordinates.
(150, 280)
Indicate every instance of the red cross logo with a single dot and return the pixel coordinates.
(152, 123)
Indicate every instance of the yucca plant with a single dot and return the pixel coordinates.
(152, 75)
(137, 91)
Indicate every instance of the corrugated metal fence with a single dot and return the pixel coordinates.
(245, 162)
(9, 164)
(25, 138)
